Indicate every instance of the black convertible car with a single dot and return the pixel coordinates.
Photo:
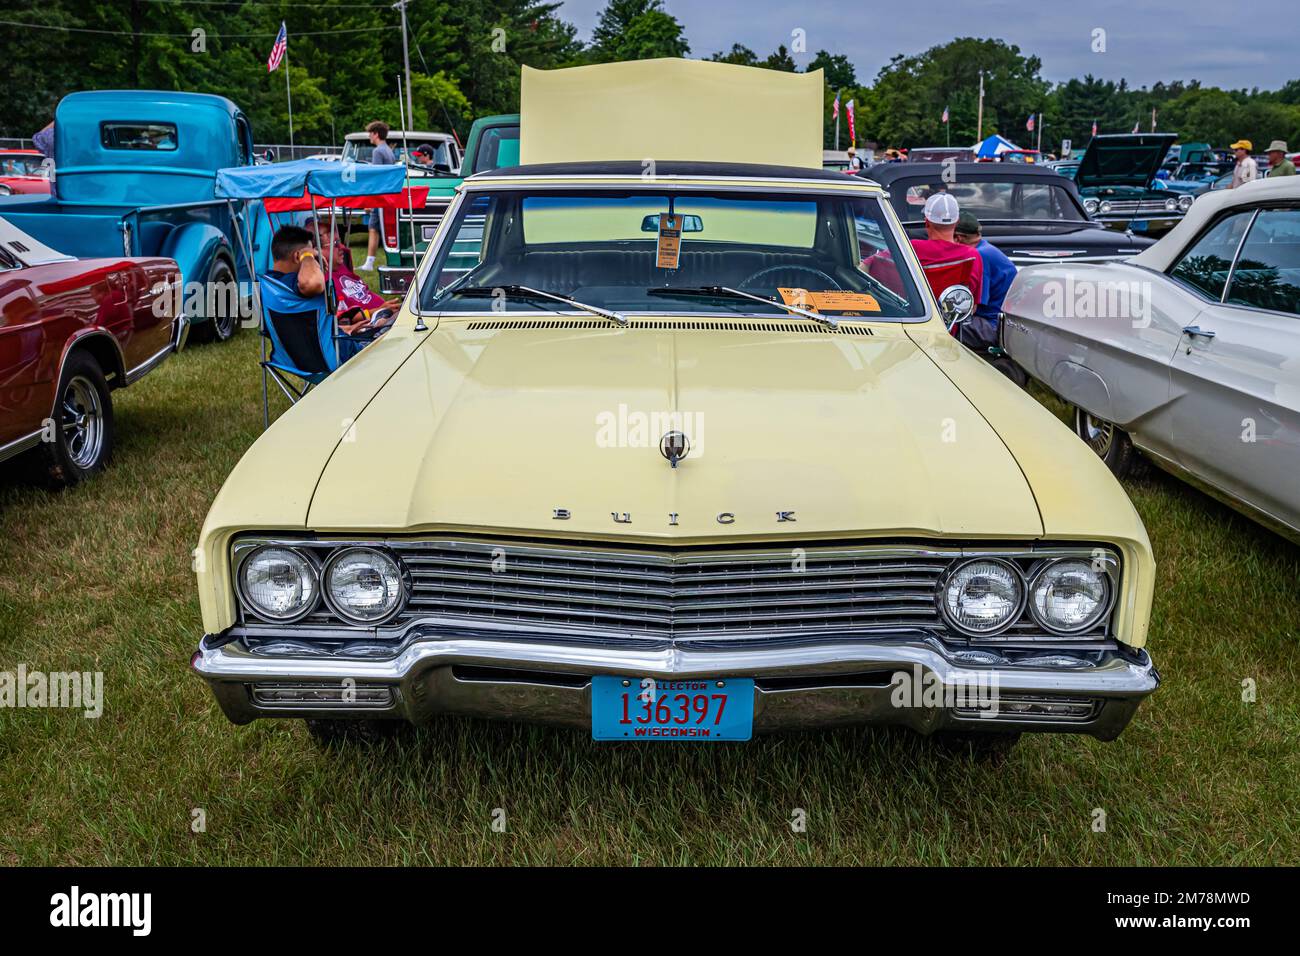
(1031, 213)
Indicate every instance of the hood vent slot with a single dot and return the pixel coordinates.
(686, 325)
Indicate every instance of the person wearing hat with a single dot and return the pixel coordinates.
(854, 163)
(1246, 169)
(982, 330)
(1278, 164)
(940, 246)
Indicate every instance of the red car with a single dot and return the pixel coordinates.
(22, 172)
(71, 331)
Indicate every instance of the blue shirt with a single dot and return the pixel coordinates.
(998, 273)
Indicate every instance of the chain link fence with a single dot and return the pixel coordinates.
(281, 152)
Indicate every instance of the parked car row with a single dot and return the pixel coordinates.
(528, 559)
(101, 283)
(73, 331)
(1188, 352)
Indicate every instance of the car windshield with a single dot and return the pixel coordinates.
(20, 164)
(360, 151)
(661, 250)
(994, 201)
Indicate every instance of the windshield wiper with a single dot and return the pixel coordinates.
(725, 292)
(523, 291)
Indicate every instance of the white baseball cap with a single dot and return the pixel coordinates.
(942, 210)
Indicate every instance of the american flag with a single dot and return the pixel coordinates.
(1029, 124)
(945, 114)
(277, 51)
(835, 107)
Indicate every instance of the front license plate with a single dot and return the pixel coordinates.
(635, 708)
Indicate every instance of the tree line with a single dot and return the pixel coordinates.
(344, 57)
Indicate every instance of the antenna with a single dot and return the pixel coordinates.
(410, 211)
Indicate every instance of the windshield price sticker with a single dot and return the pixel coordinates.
(670, 240)
(830, 301)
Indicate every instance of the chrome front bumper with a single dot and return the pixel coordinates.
(801, 684)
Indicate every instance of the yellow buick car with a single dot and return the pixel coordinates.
(674, 450)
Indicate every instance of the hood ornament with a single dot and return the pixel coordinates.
(674, 446)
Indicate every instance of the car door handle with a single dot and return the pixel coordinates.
(1197, 330)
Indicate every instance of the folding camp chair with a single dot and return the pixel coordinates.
(297, 343)
(942, 275)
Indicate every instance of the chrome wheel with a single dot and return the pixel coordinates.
(83, 422)
(1099, 434)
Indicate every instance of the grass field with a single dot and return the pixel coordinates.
(99, 579)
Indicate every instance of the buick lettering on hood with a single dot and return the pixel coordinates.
(437, 529)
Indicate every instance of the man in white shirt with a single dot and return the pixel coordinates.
(1245, 170)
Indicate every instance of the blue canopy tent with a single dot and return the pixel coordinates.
(324, 178)
(994, 146)
(308, 179)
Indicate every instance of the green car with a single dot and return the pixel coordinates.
(1117, 181)
(493, 143)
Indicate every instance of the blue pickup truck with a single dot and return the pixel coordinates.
(134, 175)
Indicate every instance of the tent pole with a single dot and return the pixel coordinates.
(410, 214)
(334, 316)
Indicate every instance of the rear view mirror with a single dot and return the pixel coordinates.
(689, 224)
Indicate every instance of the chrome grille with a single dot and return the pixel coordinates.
(664, 594)
(678, 594)
(1137, 207)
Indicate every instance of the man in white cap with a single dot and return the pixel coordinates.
(941, 215)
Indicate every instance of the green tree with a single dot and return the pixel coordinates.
(837, 70)
(780, 60)
(652, 34)
(738, 54)
(614, 21)
(912, 91)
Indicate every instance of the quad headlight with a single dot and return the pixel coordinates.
(1185, 202)
(1104, 207)
(1090, 206)
(278, 584)
(363, 585)
(983, 596)
(1171, 204)
(1070, 595)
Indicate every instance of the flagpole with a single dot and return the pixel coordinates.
(287, 91)
(979, 121)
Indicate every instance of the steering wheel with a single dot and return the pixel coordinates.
(791, 268)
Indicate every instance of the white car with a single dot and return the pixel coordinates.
(1189, 351)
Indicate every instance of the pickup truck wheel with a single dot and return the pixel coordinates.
(82, 425)
(990, 747)
(223, 322)
(330, 733)
(1108, 440)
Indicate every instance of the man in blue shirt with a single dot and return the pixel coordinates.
(982, 329)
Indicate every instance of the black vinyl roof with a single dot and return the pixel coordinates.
(886, 173)
(669, 168)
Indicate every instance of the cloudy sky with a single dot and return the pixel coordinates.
(1214, 41)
